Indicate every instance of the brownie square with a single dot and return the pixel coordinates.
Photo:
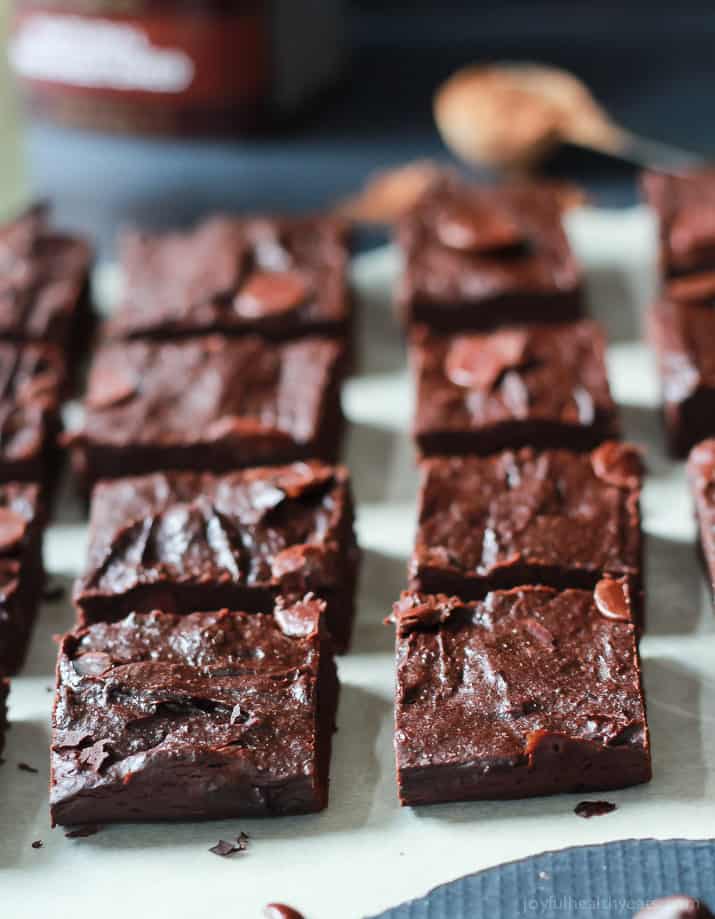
(530, 691)
(21, 571)
(186, 541)
(32, 377)
(44, 283)
(281, 277)
(701, 475)
(540, 386)
(215, 714)
(209, 403)
(477, 257)
(4, 691)
(682, 329)
(529, 517)
(685, 207)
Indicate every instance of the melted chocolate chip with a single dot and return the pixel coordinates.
(477, 229)
(281, 911)
(271, 293)
(92, 663)
(479, 361)
(298, 619)
(593, 808)
(612, 600)
(675, 907)
(617, 464)
(26, 767)
(81, 832)
(37, 844)
(12, 527)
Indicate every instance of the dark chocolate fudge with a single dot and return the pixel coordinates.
(281, 277)
(528, 517)
(682, 330)
(538, 385)
(44, 283)
(186, 541)
(478, 257)
(4, 690)
(209, 403)
(701, 475)
(21, 571)
(32, 378)
(685, 207)
(530, 691)
(216, 714)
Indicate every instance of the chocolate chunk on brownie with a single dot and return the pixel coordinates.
(209, 403)
(215, 714)
(541, 386)
(186, 541)
(530, 691)
(477, 257)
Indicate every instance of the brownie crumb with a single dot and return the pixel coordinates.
(224, 848)
(81, 832)
(53, 593)
(37, 844)
(594, 808)
(26, 767)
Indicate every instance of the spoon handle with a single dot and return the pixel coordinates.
(650, 154)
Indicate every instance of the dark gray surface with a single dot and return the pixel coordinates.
(587, 882)
(651, 64)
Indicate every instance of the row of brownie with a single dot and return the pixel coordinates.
(45, 325)
(517, 662)
(160, 711)
(682, 329)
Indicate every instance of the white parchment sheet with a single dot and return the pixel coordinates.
(365, 853)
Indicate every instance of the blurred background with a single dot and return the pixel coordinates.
(320, 94)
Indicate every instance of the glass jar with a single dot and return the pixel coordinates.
(174, 66)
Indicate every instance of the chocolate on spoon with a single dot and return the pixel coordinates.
(512, 115)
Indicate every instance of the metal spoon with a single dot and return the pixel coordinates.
(511, 115)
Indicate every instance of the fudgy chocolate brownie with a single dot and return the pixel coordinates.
(478, 257)
(186, 541)
(217, 714)
(530, 691)
(685, 207)
(701, 475)
(21, 570)
(538, 385)
(682, 328)
(281, 277)
(208, 403)
(44, 283)
(32, 378)
(529, 517)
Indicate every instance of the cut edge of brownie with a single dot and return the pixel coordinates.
(609, 766)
